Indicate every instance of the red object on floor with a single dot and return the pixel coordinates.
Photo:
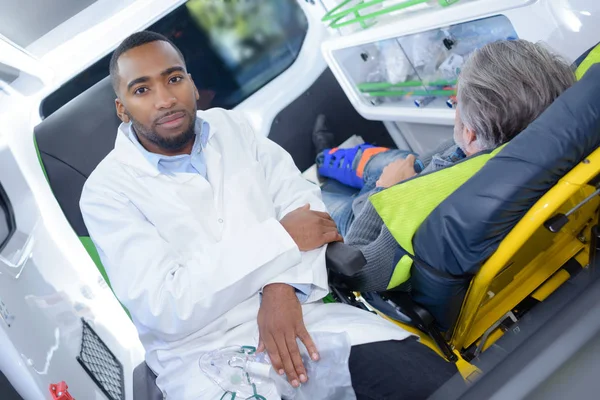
(60, 391)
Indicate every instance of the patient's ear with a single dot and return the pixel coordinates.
(470, 136)
(470, 140)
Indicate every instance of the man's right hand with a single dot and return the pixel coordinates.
(397, 171)
(310, 229)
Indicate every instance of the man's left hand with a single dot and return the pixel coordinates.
(397, 171)
(280, 322)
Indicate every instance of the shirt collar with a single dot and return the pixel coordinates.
(457, 155)
(201, 129)
(447, 158)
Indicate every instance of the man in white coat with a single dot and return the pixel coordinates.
(211, 238)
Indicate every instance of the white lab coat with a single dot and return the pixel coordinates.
(188, 256)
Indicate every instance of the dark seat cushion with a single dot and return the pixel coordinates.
(144, 384)
(72, 142)
(466, 229)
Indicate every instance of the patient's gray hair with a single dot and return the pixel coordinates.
(506, 85)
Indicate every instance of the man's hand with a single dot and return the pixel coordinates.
(396, 172)
(310, 229)
(280, 322)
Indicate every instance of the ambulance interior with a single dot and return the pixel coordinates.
(382, 72)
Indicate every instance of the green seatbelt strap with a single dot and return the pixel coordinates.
(404, 207)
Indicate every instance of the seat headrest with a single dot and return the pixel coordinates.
(465, 229)
(72, 142)
(82, 132)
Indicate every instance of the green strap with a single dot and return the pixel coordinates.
(591, 59)
(248, 350)
(374, 86)
(329, 299)
(86, 241)
(39, 156)
(255, 395)
(404, 207)
(396, 93)
(343, 10)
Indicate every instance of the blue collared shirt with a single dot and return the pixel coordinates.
(184, 163)
(194, 163)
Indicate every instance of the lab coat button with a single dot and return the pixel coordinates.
(220, 220)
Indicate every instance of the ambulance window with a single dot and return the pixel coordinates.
(14, 80)
(248, 44)
(7, 219)
(7, 73)
(232, 49)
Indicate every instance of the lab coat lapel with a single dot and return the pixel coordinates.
(182, 178)
(128, 154)
(214, 167)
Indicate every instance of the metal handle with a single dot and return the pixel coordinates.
(557, 222)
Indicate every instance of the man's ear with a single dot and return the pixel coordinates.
(471, 143)
(470, 136)
(121, 111)
(196, 93)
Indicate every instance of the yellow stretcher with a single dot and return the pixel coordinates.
(531, 262)
(552, 242)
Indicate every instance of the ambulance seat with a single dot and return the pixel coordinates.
(71, 142)
(144, 384)
(490, 249)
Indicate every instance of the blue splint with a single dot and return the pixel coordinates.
(339, 165)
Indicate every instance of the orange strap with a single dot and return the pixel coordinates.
(366, 156)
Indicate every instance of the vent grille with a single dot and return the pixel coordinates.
(101, 365)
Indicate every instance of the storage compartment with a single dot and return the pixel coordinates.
(414, 43)
(418, 70)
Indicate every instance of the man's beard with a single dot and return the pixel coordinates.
(171, 144)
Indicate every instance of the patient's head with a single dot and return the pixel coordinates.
(154, 92)
(502, 88)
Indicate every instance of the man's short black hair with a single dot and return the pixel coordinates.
(135, 40)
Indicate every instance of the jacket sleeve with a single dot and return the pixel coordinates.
(370, 235)
(171, 293)
(289, 190)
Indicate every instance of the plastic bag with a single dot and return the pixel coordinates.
(240, 370)
(393, 61)
(470, 36)
(329, 378)
(451, 66)
(425, 50)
